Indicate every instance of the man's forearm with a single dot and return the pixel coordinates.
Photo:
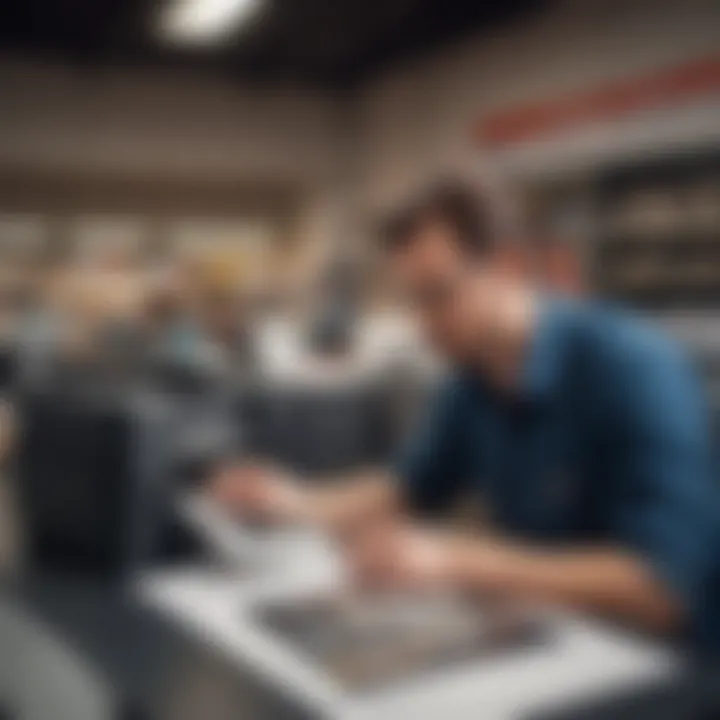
(602, 580)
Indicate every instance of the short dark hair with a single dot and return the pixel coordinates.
(453, 203)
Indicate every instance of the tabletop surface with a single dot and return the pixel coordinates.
(153, 661)
(148, 660)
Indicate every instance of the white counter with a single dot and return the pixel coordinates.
(583, 659)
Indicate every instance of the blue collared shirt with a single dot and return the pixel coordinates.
(606, 440)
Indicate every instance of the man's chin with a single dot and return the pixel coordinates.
(462, 357)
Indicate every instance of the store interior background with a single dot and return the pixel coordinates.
(238, 184)
(279, 149)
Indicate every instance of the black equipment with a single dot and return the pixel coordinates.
(318, 431)
(95, 468)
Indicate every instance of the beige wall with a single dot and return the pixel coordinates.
(172, 126)
(349, 162)
(161, 123)
(420, 117)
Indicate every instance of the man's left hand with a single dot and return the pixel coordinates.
(397, 555)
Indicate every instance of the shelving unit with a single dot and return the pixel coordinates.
(657, 233)
(648, 234)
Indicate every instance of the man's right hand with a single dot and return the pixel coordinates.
(260, 493)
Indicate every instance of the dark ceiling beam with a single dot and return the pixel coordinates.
(333, 42)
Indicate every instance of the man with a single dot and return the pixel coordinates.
(582, 429)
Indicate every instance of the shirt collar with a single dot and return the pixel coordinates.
(543, 366)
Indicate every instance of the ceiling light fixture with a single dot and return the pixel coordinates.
(203, 22)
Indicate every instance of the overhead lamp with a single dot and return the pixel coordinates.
(204, 22)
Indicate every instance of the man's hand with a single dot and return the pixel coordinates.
(341, 508)
(396, 555)
(261, 493)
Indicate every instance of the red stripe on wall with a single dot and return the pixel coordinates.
(668, 87)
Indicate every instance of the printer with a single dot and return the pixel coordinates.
(99, 462)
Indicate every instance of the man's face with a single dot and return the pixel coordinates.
(448, 288)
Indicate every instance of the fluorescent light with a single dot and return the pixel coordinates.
(202, 22)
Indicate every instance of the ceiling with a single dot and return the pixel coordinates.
(329, 42)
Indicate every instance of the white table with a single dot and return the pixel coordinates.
(583, 660)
